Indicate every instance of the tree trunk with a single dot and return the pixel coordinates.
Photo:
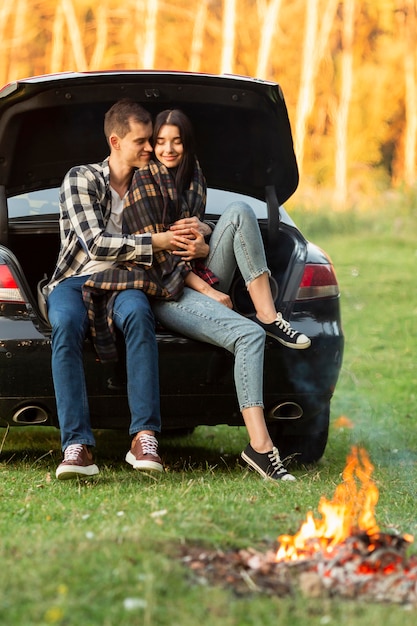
(305, 94)
(150, 34)
(410, 23)
(197, 40)
(228, 45)
(17, 39)
(315, 44)
(6, 10)
(75, 36)
(57, 50)
(96, 61)
(269, 26)
(342, 115)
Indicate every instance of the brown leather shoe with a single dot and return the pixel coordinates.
(78, 461)
(143, 455)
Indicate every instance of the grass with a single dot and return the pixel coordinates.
(105, 552)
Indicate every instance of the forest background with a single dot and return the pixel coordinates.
(348, 70)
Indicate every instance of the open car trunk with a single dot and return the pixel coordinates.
(49, 125)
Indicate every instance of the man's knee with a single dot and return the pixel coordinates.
(133, 305)
(66, 333)
(66, 320)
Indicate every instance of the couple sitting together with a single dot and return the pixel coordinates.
(133, 250)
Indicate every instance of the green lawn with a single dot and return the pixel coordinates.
(105, 552)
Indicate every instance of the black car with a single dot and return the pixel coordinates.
(50, 123)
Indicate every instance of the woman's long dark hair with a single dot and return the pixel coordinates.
(184, 172)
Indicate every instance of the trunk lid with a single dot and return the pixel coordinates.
(50, 123)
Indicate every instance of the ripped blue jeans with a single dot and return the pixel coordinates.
(235, 242)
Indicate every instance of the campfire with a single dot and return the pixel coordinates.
(351, 513)
(342, 553)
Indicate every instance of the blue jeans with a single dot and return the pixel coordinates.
(236, 242)
(133, 317)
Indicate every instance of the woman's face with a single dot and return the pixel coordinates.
(168, 146)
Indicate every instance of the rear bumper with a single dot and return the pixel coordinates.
(196, 381)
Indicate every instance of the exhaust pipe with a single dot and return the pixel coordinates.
(30, 414)
(285, 411)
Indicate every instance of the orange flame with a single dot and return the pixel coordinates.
(352, 509)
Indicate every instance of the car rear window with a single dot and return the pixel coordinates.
(46, 202)
(218, 200)
(42, 202)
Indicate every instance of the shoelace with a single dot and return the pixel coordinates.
(285, 326)
(149, 444)
(72, 452)
(276, 462)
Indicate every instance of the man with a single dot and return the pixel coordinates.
(92, 239)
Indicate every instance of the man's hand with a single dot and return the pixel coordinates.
(162, 241)
(190, 246)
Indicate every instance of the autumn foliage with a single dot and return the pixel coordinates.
(347, 68)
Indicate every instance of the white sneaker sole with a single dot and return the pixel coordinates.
(151, 466)
(253, 465)
(75, 471)
(295, 346)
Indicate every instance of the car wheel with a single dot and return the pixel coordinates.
(306, 448)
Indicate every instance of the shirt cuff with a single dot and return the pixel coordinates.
(143, 249)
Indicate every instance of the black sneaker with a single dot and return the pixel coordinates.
(281, 330)
(78, 462)
(268, 464)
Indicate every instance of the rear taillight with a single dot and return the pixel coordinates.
(9, 290)
(319, 281)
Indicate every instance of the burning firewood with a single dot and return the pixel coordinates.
(342, 554)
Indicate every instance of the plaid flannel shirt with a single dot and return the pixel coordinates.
(151, 206)
(85, 205)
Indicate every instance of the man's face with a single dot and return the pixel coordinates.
(135, 148)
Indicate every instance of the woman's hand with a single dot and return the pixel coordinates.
(198, 284)
(184, 227)
(222, 298)
(190, 246)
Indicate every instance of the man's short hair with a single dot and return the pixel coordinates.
(118, 117)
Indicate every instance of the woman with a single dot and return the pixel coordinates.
(204, 311)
